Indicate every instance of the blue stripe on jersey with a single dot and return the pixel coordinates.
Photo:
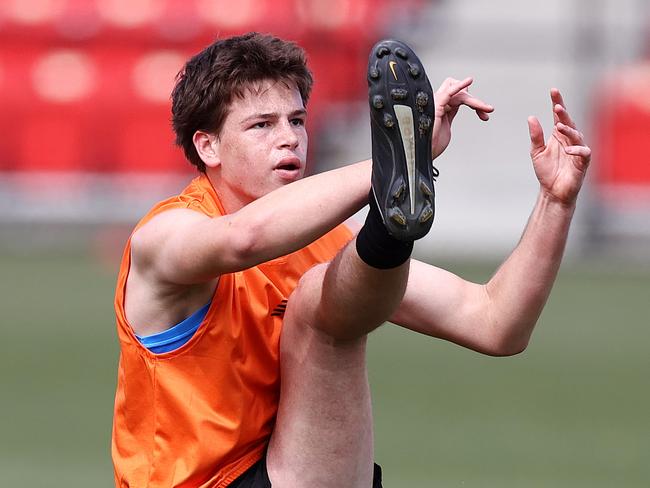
(173, 338)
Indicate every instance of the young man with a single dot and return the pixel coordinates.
(243, 304)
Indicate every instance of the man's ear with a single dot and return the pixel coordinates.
(207, 145)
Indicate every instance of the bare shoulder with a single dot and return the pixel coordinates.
(158, 293)
(186, 247)
(153, 234)
(149, 242)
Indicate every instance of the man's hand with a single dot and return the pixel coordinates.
(560, 164)
(448, 98)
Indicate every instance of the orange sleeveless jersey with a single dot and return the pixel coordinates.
(201, 415)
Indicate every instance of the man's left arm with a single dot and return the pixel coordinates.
(498, 317)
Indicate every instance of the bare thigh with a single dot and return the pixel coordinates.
(323, 434)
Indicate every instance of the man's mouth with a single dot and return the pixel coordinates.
(288, 169)
(288, 166)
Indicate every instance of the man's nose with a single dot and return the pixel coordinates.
(288, 136)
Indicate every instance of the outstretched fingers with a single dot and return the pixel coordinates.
(573, 135)
(454, 93)
(560, 113)
(536, 132)
(556, 97)
(575, 145)
(449, 88)
(481, 108)
(583, 152)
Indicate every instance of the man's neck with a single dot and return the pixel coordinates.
(231, 201)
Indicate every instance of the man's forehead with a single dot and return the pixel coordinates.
(257, 95)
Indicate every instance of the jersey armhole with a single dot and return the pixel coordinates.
(174, 337)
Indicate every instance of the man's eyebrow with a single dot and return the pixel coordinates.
(271, 115)
(274, 115)
(299, 112)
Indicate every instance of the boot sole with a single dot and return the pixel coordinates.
(402, 115)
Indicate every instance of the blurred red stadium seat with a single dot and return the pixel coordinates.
(85, 84)
(49, 142)
(146, 144)
(622, 128)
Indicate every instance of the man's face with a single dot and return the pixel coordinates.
(262, 144)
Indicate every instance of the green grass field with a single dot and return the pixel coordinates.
(572, 411)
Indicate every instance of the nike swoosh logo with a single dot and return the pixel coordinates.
(392, 64)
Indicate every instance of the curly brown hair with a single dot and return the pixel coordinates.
(205, 87)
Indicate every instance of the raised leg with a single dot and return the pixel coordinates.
(323, 435)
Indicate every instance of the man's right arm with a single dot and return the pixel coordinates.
(185, 247)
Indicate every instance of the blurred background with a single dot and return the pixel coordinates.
(86, 148)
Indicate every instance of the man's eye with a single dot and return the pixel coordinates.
(261, 125)
(297, 121)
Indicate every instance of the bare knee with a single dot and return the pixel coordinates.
(323, 431)
(307, 310)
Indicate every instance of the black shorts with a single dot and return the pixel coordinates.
(257, 477)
